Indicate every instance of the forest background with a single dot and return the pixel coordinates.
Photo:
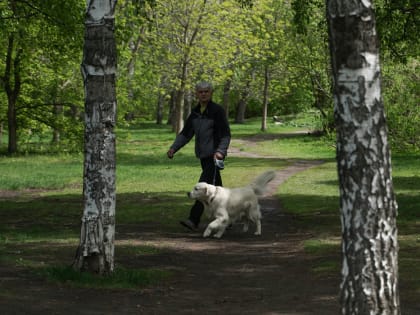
(265, 58)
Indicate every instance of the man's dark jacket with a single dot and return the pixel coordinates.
(211, 130)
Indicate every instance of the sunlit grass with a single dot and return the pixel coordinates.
(40, 172)
(298, 147)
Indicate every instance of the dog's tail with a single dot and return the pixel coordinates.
(259, 184)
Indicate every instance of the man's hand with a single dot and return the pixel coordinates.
(170, 153)
(218, 156)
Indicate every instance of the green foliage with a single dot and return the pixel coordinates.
(398, 24)
(311, 83)
(246, 3)
(222, 41)
(48, 37)
(401, 94)
(302, 14)
(298, 100)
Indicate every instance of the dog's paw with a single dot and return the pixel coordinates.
(206, 233)
(218, 235)
(257, 233)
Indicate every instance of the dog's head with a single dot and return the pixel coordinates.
(200, 191)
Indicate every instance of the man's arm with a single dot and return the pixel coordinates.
(182, 138)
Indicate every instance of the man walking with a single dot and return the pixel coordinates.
(208, 123)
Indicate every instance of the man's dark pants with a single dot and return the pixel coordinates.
(211, 175)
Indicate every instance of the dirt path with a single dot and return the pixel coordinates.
(239, 274)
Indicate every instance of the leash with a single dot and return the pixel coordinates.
(218, 164)
(214, 176)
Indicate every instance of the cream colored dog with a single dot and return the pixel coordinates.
(228, 205)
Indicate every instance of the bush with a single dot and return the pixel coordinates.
(400, 93)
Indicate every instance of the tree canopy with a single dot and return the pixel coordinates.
(164, 47)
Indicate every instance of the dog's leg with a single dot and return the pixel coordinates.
(219, 225)
(256, 218)
(213, 226)
(247, 216)
(258, 230)
(220, 232)
(207, 231)
(246, 225)
(222, 228)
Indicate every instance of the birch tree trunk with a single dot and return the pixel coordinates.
(12, 85)
(96, 249)
(265, 98)
(242, 103)
(368, 206)
(226, 96)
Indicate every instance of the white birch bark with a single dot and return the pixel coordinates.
(367, 202)
(96, 248)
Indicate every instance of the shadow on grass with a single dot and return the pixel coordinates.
(322, 213)
(407, 183)
(50, 217)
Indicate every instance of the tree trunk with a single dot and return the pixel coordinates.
(12, 87)
(190, 31)
(188, 103)
(265, 99)
(241, 107)
(367, 202)
(240, 111)
(12, 126)
(57, 112)
(96, 250)
(226, 94)
(179, 111)
(318, 93)
(1, 132)
(180, 98)
(171, 112)
(159, 109)
(161, 102)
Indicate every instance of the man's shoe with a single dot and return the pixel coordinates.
(189, 225)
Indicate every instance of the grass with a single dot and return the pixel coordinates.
(40, 220)
(37, 172)
(121, 278)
